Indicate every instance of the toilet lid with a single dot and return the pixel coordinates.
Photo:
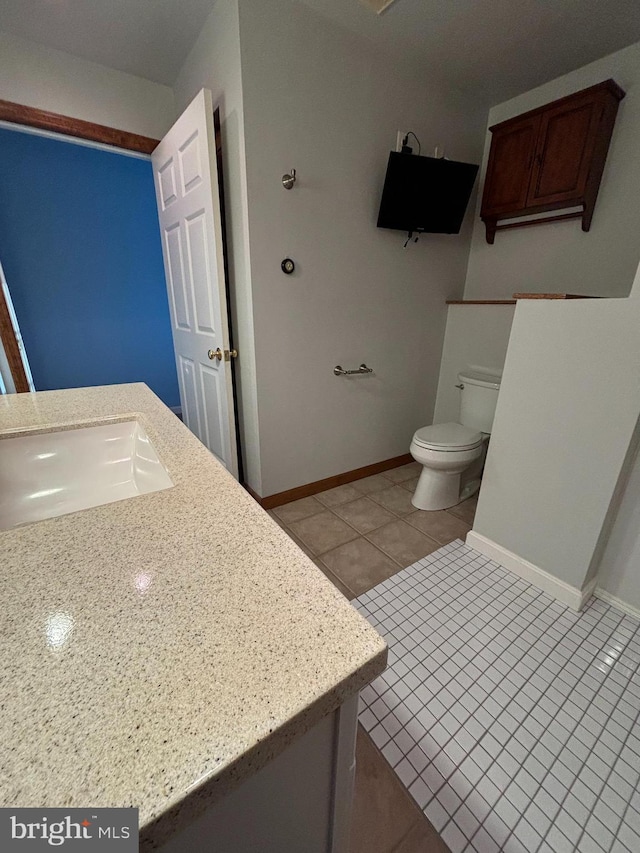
(448, 437)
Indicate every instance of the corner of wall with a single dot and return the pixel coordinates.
(309, 84)
(215, 62)
(599, 263)
(560, 590)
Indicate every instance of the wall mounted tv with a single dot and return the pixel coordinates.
(425, 194)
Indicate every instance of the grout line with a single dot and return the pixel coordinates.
(537, 740)
(441, 749)
(429, 536)
(313, 557)
(611, 770)
(297, 535)
(304, 517)
(597, 629)
(333, 577)
(479, 742)
(417, 821)
(480, 674)
(435, 542)
(365, 536)
(292, 534)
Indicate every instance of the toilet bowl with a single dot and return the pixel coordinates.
(445, 451)
(448, 451)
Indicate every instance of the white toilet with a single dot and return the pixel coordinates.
(452, 454)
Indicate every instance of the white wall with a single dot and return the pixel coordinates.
(560, 257)
(476, 337)
(567, 411)
(321, 101)
(619, 569)
(214, 62)
(48, 79)
(619, 573)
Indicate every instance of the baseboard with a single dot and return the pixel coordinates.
(253, 494)
(309, 489)
(563, 592)
(588, 592)
(617, 602)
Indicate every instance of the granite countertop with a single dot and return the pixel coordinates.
(192, 639)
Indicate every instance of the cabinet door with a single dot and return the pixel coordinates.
(509, 169)
(565, 146)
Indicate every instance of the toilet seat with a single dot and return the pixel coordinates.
(447, 437)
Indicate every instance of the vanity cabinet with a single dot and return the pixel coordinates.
(550, 158)
(300, 802)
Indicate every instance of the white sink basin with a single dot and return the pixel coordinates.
(48, 474)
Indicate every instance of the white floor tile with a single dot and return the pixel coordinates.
(512, 720)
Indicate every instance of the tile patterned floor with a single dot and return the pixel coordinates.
(385, 817)
(512, 720)
(358, 535)
(364, 532)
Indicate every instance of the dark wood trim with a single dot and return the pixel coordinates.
(517, 296)
(606, 85)
(11, 348)
(552, 296)
(45, 120)
(544, 221)
(253, 494)
(481, 301)
(329, 482)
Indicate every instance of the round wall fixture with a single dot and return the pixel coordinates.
(287, 266)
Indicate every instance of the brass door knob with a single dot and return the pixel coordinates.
(218, 354)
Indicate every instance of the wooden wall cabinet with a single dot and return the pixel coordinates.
(550, 158)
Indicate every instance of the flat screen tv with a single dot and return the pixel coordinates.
(425, 194)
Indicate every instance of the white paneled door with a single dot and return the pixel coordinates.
(186, 180)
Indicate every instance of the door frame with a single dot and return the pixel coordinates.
(217, 129)
(205, 117)
(20, 114)
(10, 341)
(69, 126)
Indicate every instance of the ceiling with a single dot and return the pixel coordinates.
(492, 48)
(150, 38)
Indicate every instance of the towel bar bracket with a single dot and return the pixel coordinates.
(340, 371)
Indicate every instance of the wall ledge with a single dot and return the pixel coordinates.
(617, 602)
(518, 296)
(481, 301)
(561, 591)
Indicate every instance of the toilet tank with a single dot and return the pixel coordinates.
(478, 399)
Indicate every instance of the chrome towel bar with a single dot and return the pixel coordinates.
(340, 371)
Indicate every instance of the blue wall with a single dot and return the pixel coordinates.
(80, 247)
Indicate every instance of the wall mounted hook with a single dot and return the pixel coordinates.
(289, 180)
